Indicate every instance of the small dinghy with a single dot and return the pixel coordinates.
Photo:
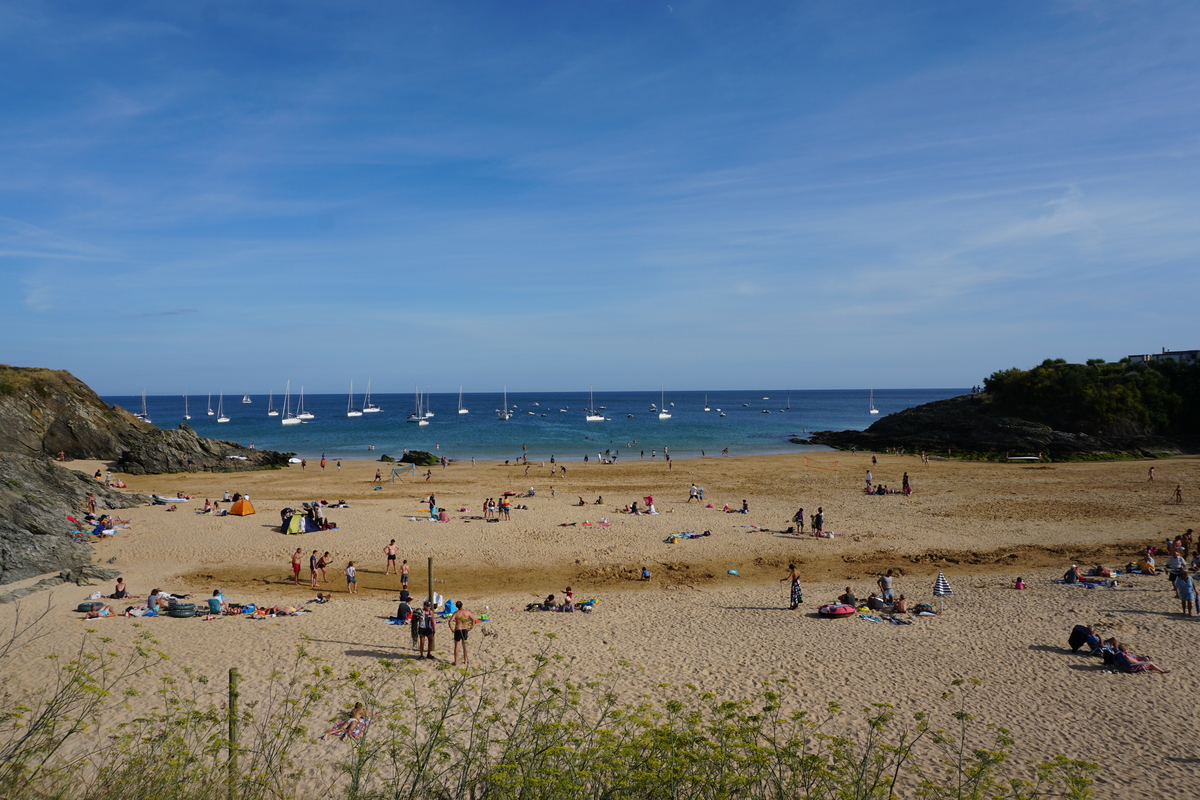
(836, 610)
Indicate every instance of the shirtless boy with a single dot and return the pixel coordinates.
(296, 558)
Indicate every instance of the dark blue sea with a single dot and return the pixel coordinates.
(546, 423)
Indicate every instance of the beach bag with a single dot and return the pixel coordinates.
(94, 596)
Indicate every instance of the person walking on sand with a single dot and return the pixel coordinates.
(404, 574)
(296, 558)
(1178, 493)
(322, 563)
(1151, 478)
(818, 522)
(303, 464)
(322, 461)
(379, 476)
(461, 622)
(351, 578)
(797, 596)
(428, 475)
(312, 569)
(390, 551)
(693, 494)
(1186, 591)
(887, 585)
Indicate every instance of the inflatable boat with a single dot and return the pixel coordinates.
(836, 610)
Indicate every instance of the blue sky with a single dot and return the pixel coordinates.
(197, 197)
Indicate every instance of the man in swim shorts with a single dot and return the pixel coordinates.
(296, 557)
(462, 622)
(886, 585)
(404, 574)
(797, 596)
(390, 551)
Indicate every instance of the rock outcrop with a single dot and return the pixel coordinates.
(36, 496)
(974, 425)
(45, 412)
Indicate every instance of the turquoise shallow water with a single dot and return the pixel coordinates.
(539, 424)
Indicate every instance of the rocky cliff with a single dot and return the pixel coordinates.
(44, 412)
(975, 425)
(35, 498)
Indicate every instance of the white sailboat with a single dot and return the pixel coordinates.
(664, 414)
(462, 410)
(351, 411)
(246, 398)
(368, 406)
(210, 411)
(418, 416)
(874, 410)
(271, 410)
(144, 416)
(592, 415)
(288, 417)
(504, 413)
(300, 412)
(706, 408)
(186, 415)
(221, 409)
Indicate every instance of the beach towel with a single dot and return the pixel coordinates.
(869, 618)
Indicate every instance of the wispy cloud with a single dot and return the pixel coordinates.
(173, 313)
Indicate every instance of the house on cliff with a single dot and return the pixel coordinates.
(1178, 356)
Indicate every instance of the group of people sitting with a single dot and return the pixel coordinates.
(875, 602)
(1112, 650)
(566, 603)
(632, 508)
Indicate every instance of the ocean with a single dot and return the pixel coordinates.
(540, 425)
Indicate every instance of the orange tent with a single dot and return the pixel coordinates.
(242, 508)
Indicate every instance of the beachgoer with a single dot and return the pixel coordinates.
(390, 551)
(322, 564)
(91, 504)
(100, 613)
(296, 557)
(425, 630)
(121, 592)
(322, 461)
(645, 574)
(303, 464)
(886, 585)
(798, 518)
(351, 578)
(745, 507)
(1151, 479)
(875, 602)
(1178, 493)
(870, 479)
(818, 522)
(462, 622)
(312, 569)
(693, 493)
(1186, 591)
(796, 596)
(347, 726)
(404, 574)
(848, 598)
(428, 475)
(1020, 584)
(378, 476)
(901, 606)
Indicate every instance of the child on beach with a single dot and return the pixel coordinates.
(351, 579)
(1020, 584)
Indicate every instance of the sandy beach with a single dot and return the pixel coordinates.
(981, 524)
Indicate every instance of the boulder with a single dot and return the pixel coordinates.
(36, 496)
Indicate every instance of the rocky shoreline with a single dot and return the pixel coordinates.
(975, 426)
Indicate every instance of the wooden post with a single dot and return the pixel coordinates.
(232, 776)
(431, 581)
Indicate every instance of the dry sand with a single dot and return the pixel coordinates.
(982, 524)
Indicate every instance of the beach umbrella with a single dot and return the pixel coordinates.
(941, 588)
